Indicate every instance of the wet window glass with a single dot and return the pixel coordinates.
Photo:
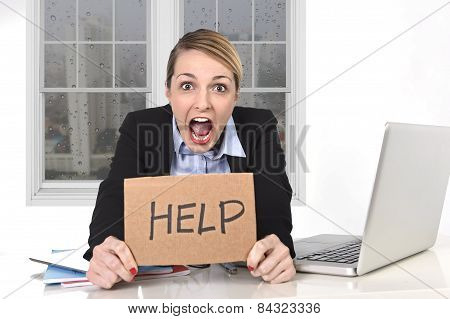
(81, 132)
(59, 66)
(131, 65)
(95, 66)
(276, 102)
(95, 20)
(60, 20)
(95, 56)
(199, 14)
(131, 20)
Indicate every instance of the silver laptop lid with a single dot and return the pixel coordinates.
(408, 194)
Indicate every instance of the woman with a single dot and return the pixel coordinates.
(199, 131)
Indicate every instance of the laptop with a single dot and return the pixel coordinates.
(405, 208)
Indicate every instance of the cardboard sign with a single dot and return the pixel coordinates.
(190, 219)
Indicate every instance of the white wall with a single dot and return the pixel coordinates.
(407, 81)
(25, 228)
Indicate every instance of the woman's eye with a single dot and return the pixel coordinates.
(221, 88)
(183, 86)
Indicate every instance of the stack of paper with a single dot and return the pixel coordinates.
(57, 275)
(66, 268)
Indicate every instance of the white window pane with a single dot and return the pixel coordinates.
(95, 20)
(131, 66)
(270, 65)
(235, 19)
(245, 54)
(81, 132)
(199, 14)
(95, 65)
(130, 20)
(60, 20)
(59, 65)
(276, 102)
(270, 20)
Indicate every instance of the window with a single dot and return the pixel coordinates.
(261, 32)
(90, 62)
(257, 28)
(94, 67)
(95, 58)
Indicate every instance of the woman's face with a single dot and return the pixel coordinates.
(202, 96)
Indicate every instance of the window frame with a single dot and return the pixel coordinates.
(296, 116)
(165, 15)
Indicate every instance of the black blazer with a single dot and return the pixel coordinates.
(145, 148)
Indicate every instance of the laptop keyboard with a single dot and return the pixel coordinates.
(347, 253)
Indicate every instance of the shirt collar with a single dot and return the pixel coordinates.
(231, 145)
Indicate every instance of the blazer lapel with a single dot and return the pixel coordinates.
(167, 140)
(237, 164)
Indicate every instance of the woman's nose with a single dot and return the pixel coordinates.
(203, 100)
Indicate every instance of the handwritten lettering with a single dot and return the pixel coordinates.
(224, 208)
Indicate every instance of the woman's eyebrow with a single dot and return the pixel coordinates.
(214, 78)
(220, 76)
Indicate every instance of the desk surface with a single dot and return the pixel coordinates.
(425, 275)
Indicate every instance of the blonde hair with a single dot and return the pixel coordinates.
(211, 43)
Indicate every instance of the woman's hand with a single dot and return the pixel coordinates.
(270, 259)
(111, 262)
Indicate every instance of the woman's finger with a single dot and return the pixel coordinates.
(93, 275)
(102, 269)
(115, 265)
(279, 253)
(109, 276)
(98, 280)
(286, 275)
(258, 251)
(278, 269)
(123, 252)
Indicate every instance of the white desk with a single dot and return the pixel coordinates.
(412, 278)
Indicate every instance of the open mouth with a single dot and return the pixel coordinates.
(200, 129)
